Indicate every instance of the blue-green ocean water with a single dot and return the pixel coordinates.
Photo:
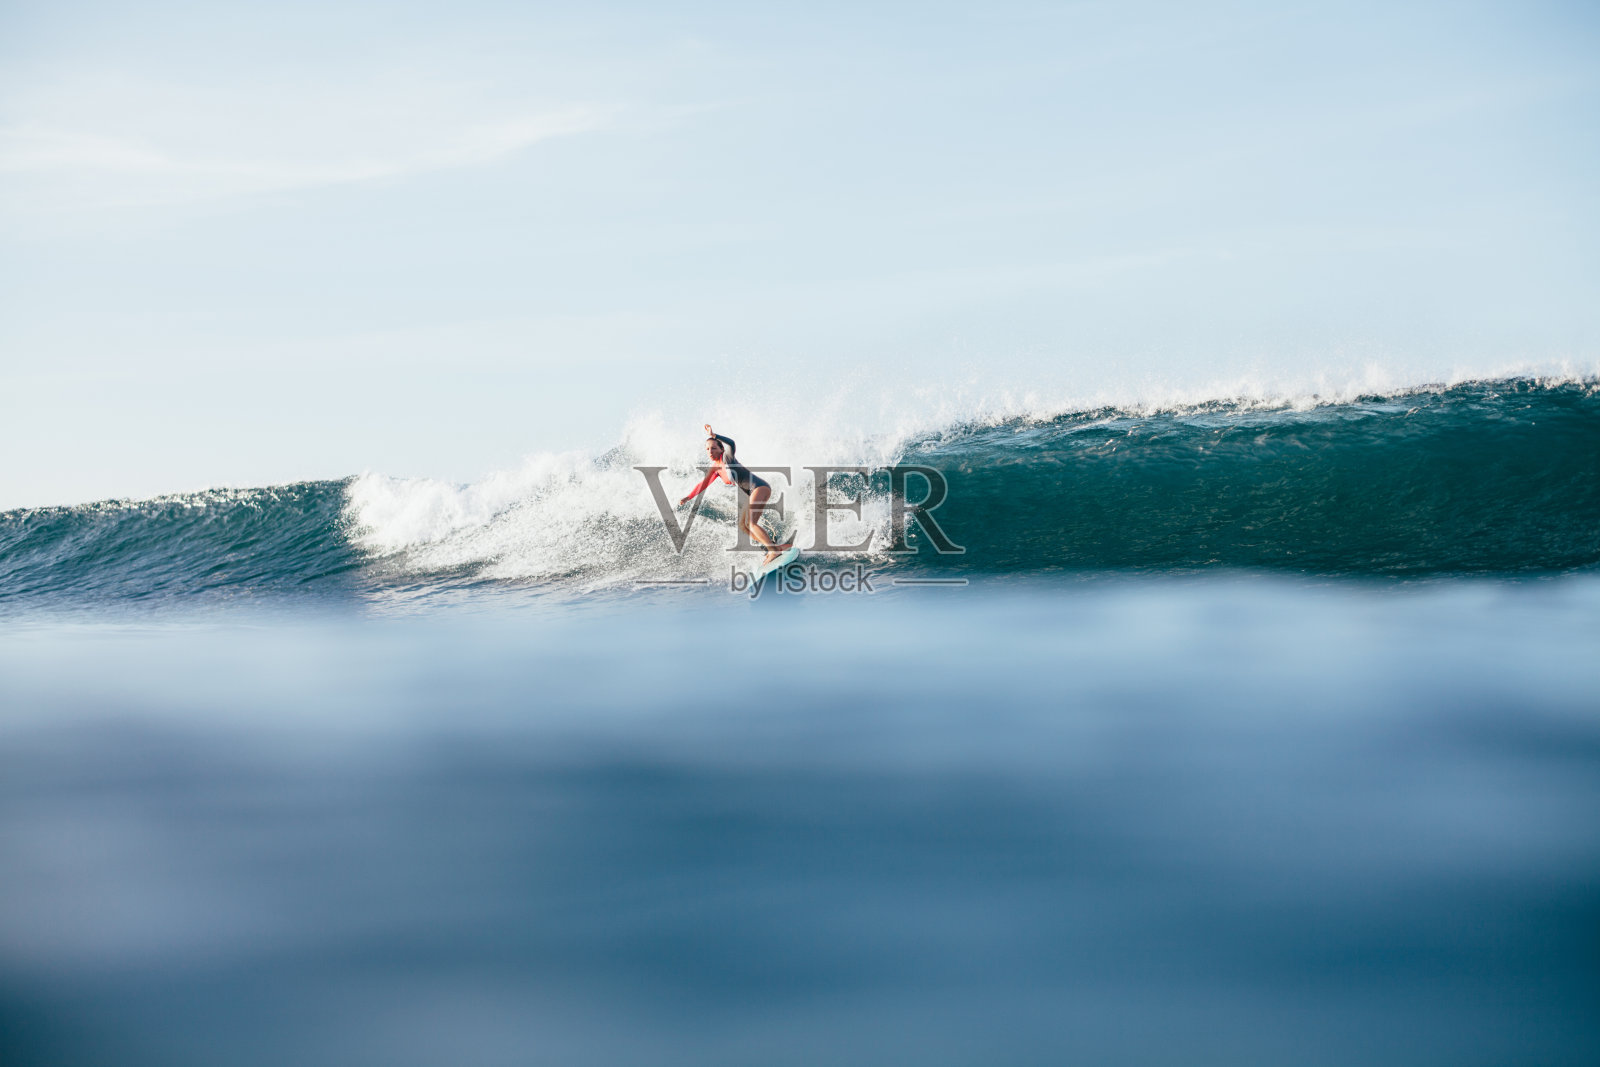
(1489, 478)
(1256, 737)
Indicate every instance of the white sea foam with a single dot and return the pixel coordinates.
(593, 518)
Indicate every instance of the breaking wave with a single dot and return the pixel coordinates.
(1479, 478)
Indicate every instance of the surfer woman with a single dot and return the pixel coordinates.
(726, 466)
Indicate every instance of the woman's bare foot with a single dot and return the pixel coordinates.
(777, 550)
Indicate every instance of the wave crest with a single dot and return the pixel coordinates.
(1484, 477)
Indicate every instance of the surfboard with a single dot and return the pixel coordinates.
(782, 561)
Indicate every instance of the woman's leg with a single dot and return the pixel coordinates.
(755, 504)
(752, 522)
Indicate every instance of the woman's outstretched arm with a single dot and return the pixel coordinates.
(710, 477)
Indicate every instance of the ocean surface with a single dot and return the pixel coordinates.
(1238, 732)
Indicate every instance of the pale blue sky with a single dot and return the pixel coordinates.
(242, 244)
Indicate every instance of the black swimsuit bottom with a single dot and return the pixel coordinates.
(741, 474)
(745, 480)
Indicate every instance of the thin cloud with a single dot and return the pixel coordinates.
(199, 154)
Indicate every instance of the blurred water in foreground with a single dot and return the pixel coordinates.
(1226, 822)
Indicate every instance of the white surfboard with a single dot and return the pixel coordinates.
(782, 561)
